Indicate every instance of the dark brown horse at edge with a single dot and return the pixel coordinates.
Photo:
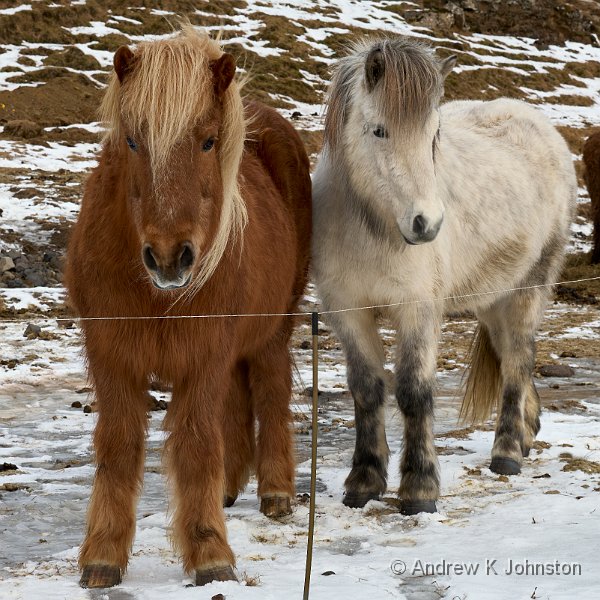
(199, 205)
(591, 159)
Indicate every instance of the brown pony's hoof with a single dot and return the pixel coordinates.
(229, 501)
(204, 576)
(275, 506)
(358, 499)
(505, 466)
(100, 576)
(414, 507)
(525, 451)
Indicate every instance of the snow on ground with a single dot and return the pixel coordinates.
(548, 514)
(18, 155)
(486, 523)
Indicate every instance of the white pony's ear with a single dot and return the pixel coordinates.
(447, 65)
(374, 67)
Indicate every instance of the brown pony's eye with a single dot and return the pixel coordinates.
(208, 144)
(380, 132)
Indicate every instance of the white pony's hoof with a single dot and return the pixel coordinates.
(414, 507)
(505, 466)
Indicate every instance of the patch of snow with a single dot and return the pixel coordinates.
(18, 155)
(97, 28)
(15, 9)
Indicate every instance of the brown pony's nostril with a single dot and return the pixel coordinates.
(186, 258)
(149, 259)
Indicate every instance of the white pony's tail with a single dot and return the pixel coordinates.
(482, 391)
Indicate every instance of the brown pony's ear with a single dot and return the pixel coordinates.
(374, 67)
(223, 70)
(123, 61)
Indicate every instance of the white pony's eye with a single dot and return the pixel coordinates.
(434, 143)
(380, 132)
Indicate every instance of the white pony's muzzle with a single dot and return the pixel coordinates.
(420, 229)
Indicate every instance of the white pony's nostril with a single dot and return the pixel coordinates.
(419, 225)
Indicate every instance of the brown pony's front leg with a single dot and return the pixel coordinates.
(194, 450)
(271, 385)
(119, 443)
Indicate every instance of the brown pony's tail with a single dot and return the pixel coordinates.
(483, 387)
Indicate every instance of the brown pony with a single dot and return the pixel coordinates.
(591, 159)
(199, 205)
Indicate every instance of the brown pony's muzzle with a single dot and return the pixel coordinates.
(170, 267)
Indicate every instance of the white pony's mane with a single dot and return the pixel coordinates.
(409, 89)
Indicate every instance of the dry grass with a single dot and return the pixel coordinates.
(73, 58)
(489, 83)
(566, 100)
(250, 580)
(576, 136)
(313, 141)
(110, 42)
(581, 464)
(577, 266)
(218, 7)
(276, 75)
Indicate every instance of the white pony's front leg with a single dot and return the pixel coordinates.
(365, 358)
(418, 333)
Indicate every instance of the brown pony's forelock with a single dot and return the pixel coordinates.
(169, 89)
(410, 88)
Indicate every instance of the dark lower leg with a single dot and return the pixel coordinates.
(420, 483)
(368, 478)
(417, 350)
(507, 453)
(513, 438)
(532, 418)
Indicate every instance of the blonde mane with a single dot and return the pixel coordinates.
(168, 89)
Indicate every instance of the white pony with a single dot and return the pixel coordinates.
(435, 208)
